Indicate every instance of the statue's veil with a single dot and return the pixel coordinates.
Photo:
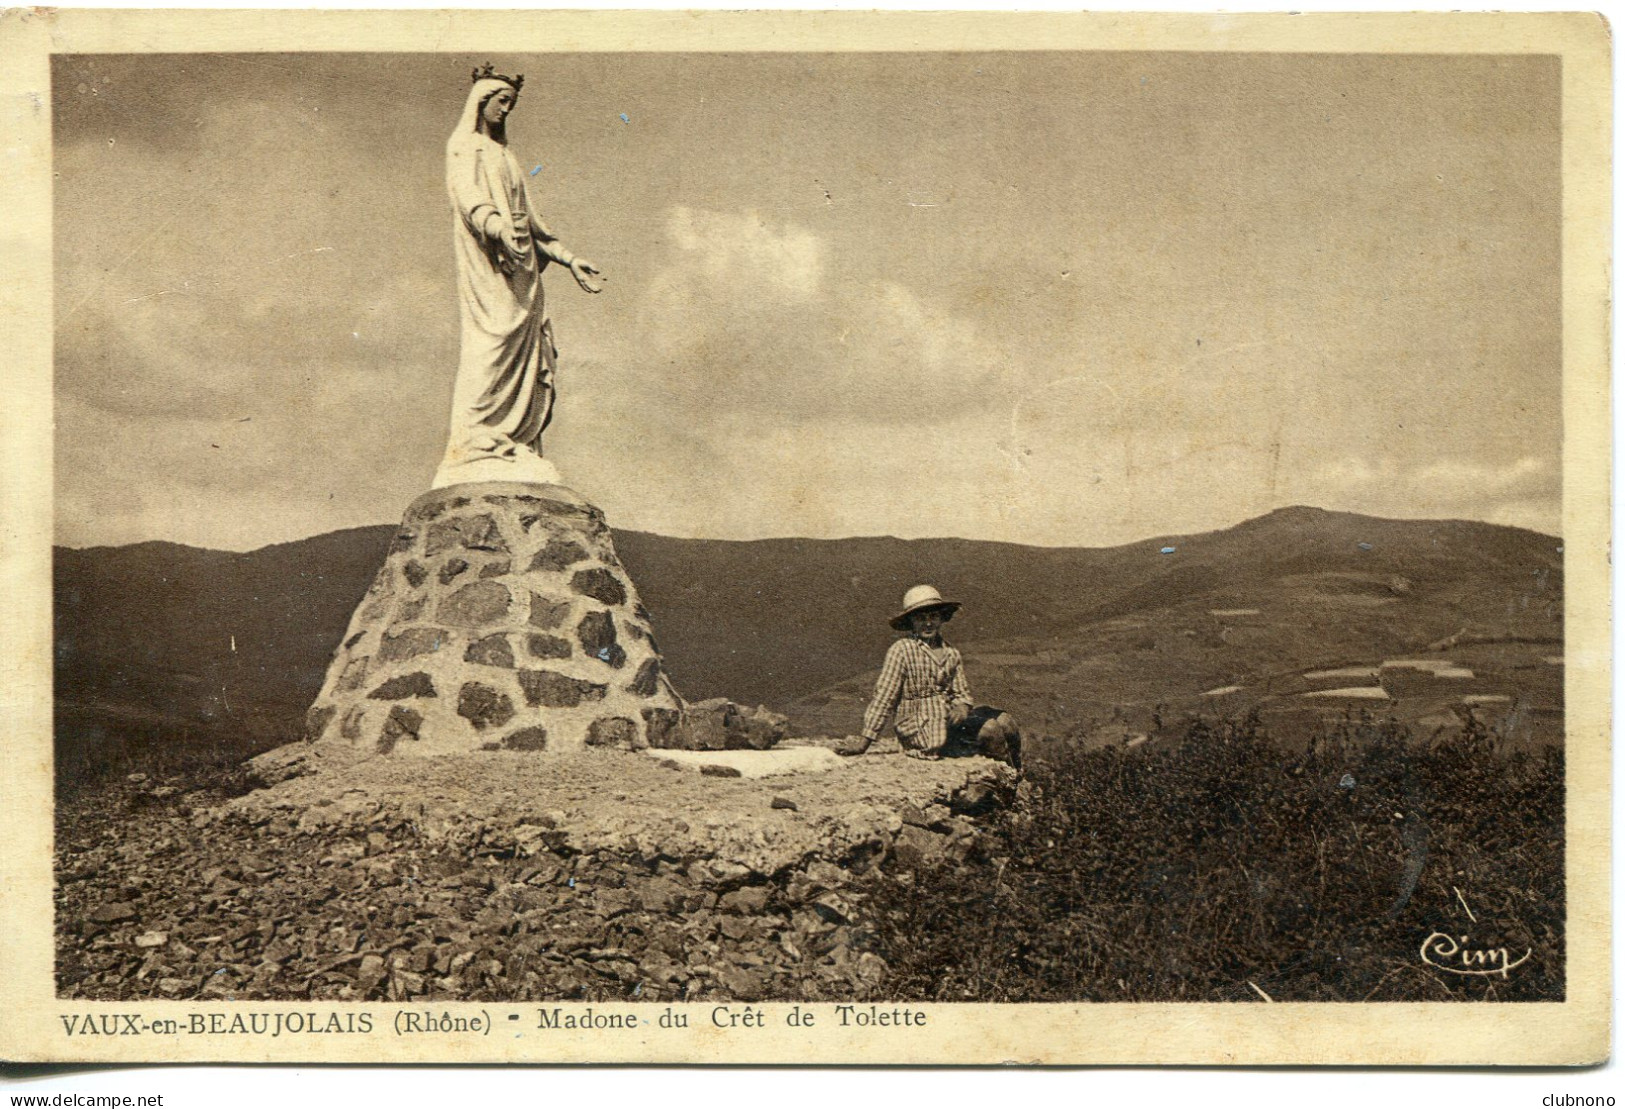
(468, 124)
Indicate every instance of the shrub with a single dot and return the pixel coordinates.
(1229, 865)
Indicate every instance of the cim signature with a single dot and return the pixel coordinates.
(1440, 950)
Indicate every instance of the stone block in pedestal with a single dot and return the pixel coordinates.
(501, 620)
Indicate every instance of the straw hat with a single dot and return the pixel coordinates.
(921, 597)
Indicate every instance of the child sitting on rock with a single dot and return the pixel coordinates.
(923, 682)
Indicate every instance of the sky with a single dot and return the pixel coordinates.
(1060, 298)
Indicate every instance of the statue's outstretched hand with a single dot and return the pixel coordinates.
(584, 271)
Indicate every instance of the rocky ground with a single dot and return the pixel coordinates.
(599, 875)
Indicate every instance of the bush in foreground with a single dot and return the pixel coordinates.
(1224, 868)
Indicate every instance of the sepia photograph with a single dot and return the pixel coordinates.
(849, 534)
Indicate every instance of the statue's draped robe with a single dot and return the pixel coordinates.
(503, 396)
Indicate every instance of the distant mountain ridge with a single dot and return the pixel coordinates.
(160, 636)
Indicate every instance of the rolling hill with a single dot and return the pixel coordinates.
(161, 646)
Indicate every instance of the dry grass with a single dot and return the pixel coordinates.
(1228, 867)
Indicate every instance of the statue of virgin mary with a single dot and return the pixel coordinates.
(503, 396)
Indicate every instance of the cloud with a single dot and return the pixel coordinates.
(1526, 491)
(1447, 480)
(269, 240)
(1520, 477)
(785, 263)
(212, 345)
(260, 386)
(744, 315)
(333, 458)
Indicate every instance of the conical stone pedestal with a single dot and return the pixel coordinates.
(501, 620)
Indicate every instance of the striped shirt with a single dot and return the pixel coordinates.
(919, 682)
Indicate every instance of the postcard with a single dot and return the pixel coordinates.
(806, 537)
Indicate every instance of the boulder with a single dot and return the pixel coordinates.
(719, 724)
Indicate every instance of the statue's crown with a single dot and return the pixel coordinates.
(486, 72)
